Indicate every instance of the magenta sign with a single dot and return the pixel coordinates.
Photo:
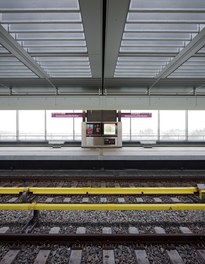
(67, 115)
(136, 115)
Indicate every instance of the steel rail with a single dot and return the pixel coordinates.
(101, 207)
(105, 238)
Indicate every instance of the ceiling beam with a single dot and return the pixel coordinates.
(14, 47)
(91, 12)
(116, 18)
(96, 102)
(193, 47)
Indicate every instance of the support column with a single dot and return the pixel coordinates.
(186, 125)
(45, 125)
(158, 129)
(17, 125)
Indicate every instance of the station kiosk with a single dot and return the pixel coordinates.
(102, 129)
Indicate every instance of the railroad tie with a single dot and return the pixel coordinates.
(54, 230)
(107, 230)
(42, 256)
(108, 256)
(201, 255)
(81, 230)
(133, 230)
(10, 256)
(75, 256)
(185, 230)
(157, 200)
(13, 200)
(139, 200)
(159, 230)
(4, 229)
(49, 200)
(85, 200)
(103, 200)
(74, 184)
(141, 256)
(67, 200)
(121, 200)
(174, 257)
(103, 184)
(175, 200)
(89, 184)
(60, 184)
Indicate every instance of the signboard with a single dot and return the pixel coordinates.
(93, 129)
(67, 115)
(136, 115)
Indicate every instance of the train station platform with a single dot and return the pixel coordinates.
(123, 154)
(102, 158)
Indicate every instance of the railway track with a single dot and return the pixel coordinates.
(106, 248)
(96, 234)
(99, 175)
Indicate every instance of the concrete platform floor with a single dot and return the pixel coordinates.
(125, 153)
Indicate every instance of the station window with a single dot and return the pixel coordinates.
(59, 128)
(172, 125)
(32, 125)
(126, 126)
(77, 126)
(144, 128)
(7, 125)
(196, 125)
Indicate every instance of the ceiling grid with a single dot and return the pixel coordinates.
(51, 32)
(155, 33)
(74, 47)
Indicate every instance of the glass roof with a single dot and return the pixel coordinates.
(53, 40)
(155, 32)
(51, 32)
(192, 68)
(11, 67)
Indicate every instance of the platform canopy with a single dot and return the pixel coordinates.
(133, 48)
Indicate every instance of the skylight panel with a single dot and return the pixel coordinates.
(41, 4)
(154, 33)
(11, 67)
(166, 5)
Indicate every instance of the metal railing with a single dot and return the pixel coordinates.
(39, 137)
(73, 137)
(162, 137)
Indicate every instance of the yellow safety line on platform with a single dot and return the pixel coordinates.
(101, 207)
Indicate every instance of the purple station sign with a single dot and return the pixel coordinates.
(67, 115)
(136, 115)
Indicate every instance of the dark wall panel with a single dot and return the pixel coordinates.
(101, 116)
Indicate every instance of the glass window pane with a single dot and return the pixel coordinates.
(8, 125)
(59, 128)
(78, 126)
(172, 125)
(196, 125)
(32, 125)
(144, 128)
(125, 126)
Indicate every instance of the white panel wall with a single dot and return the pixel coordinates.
(102, 102)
